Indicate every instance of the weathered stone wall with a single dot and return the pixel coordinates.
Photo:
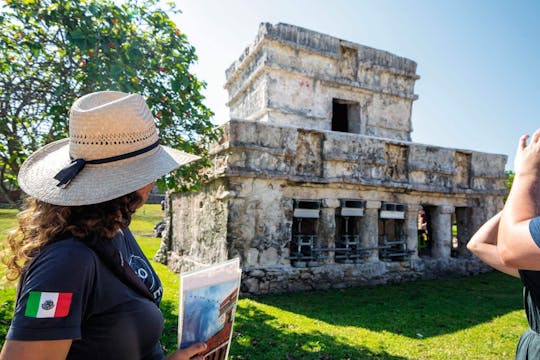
(253, 101)
(388, 117)
(259, 228)
(319, 50)
(260, 213)
(198, 227)
(286, 79)
(337, 276)
(260, 218)
(261, 168)
(279, 150)
(258, 149)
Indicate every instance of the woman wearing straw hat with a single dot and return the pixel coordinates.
(86, 290)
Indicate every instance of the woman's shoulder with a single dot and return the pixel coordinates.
(63, 264)
(71, 245)
(67, 251)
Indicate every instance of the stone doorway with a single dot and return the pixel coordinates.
(425, 230)
(392, 236)
(461, 231)
(305, 241)
(348, 240)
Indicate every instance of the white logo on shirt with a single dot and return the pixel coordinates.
(143, 271)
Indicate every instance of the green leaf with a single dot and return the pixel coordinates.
(77, 35)
(116, 70)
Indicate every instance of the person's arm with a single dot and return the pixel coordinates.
(62, 276)
(515, 243)
(35, 350)
(484, 245)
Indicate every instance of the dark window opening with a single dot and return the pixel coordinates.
(348, 242)
(461, 231)
(392, 241)
(348, 228)
(353, 204)
(392, 237)
(425, 231)
(307, 204)
(340, 116)
(304, 244)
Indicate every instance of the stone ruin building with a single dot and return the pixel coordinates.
(316, 182)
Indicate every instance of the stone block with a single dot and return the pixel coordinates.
(269, 257)
(252, 257)
(251, 285)
(256, 273)
(372, 204)
(330, 203)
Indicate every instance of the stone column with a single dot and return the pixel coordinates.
(481, 210)
(327, 228)
(411, 228)
(463, 221)
(441, 225)
(369, 228)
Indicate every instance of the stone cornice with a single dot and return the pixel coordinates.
(324, 45)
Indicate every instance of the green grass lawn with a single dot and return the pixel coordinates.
(466, 318)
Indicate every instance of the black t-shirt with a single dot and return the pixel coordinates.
(68, 293)
(531, 282)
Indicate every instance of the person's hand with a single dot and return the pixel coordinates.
(527, 160)
(190, 353)
(519, 153)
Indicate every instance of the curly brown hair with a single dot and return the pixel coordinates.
(42, 223)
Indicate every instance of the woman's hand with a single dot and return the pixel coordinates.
(527, 160)
(519, 153)
(515, 244)
(191, 352)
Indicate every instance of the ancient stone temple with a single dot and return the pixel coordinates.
(316, 182)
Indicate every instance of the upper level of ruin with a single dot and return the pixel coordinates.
(309, 107)
(291, 76)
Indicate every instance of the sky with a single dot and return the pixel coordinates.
(478, 60)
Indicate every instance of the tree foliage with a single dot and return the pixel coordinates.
(53, 51)
(508, 182)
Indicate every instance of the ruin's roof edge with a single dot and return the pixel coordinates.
(325, 45)
(389, 140)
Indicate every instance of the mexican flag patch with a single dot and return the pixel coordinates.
(47, 304)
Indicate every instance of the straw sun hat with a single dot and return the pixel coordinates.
(113, 149)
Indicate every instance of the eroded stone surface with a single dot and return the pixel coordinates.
(279, 148)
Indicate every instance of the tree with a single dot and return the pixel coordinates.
(508, 182)
(53, 51)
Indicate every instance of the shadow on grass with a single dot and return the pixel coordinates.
(430, 308)
(255, 338)
(277, 343)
